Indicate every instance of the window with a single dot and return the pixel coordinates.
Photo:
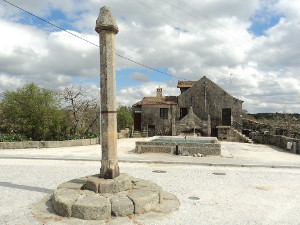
(183, 112)
(164, 113)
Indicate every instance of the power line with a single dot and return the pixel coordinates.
(83, 39)
(221, 28)
(207, 22)
(177, 21)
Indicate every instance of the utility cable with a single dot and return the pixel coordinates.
(225, 29)
(83, 39)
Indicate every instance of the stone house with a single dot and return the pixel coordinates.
(201, 108)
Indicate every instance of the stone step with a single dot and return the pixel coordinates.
(136, 134)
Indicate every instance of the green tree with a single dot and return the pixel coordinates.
(33, 112)
(124, 118)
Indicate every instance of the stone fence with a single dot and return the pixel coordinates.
(48, 144)
(277, 140)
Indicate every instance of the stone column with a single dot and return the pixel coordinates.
(107, 28)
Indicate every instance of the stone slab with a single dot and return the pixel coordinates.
(144, 200)
(62, 201)
(121, 206)
(100, 185)
(92, 183)
(74, 184)
(91, 207)
(124, 182)
(108, 186)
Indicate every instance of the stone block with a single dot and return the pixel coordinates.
(121, 206)
(62, 201)
(93, 183)
(124, 182)
(140, 183)
(74, 184)
(77, 142)
(32, 144)
(91, 207)
(108, 186)
(144, 200)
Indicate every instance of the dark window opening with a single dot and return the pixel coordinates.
(151, 130)
(164, 113)
(137, 109)
(183, 112)
(226, 117)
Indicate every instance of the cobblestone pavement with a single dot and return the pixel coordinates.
(241, 196)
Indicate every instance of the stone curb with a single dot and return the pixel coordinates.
(165, 162)
(48, 144)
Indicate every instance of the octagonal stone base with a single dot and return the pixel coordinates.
(94, 198)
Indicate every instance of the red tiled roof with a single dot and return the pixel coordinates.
(183, 83)
(165, 100)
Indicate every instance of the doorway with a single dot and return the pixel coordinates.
(226, 117)
(151, 130)
(137, 121)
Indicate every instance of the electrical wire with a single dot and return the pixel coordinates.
(83, 39)
(217, 26)
(209, 24)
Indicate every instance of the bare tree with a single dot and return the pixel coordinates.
(83, 108)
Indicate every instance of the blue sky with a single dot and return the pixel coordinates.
(236, 38)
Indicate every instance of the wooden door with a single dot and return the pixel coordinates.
(137, 121)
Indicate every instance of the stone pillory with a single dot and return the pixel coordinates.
(107, 28)
(109, 194)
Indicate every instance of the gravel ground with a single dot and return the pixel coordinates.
(242, 196)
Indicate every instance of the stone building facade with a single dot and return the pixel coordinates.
(201, 107)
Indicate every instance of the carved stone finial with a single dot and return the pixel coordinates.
(106, 21)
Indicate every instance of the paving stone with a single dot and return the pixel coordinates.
(91, 207)
(74, 184)
(169, 204)
(63, 199)
(144, 200)
(157, 189)
(121, 206)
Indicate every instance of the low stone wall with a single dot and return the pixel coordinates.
(124, 133)
(182, 148)
(48, 144)
(202, 148)
(276, 140)
(155, 147)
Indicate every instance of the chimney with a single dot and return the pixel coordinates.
(159, 92)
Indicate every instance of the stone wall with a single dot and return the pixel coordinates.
(151, 117)
(208, 98)
(155, 147)
(226, 133)
(48, 144)
(202, 148)
(276, 140)
(205, 149)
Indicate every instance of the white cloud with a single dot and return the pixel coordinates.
(189, 38)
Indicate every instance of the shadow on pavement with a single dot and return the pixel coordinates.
(25, 187)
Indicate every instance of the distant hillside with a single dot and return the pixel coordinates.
(272, 116)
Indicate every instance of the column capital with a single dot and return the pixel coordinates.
(106, 21)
